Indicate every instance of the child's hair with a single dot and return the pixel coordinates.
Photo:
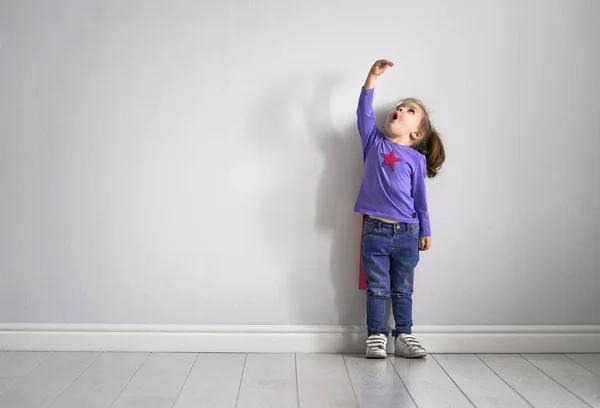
(431, 144)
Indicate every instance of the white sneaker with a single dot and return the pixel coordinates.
(409, 347)
(377, 346)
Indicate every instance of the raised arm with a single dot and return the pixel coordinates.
(366, 120)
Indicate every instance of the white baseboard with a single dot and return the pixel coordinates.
(292, 339)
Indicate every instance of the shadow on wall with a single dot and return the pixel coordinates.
(313, 273)
(294, 124)
(335, 197)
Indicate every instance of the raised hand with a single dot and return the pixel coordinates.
(380, 66)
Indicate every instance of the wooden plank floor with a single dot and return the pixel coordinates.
(183, 380)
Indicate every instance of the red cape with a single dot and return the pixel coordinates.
(362, 280)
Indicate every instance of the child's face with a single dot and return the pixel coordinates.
(405, 119)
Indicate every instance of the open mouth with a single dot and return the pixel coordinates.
(395, 116)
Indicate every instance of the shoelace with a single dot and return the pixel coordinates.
(377, 341)
(412, 342)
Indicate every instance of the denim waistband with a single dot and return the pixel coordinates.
(396, 225)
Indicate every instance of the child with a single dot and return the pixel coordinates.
(393, 198)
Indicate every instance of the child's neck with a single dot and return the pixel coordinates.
(399, 140)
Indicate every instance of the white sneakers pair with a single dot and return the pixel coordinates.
(406, 346)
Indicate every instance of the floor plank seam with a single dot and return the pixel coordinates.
(556, 381)
(129, 381)
(454, 382)
(579, 364)
(28, 372)
(350, 379)
(73, 381)
(297, 385)
(237, 399)
(185, 381)
(505, 382)
(402, 381)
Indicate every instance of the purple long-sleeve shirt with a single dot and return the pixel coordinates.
(393, 184)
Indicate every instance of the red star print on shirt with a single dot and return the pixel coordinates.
(390, 160)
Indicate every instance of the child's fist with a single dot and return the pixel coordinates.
(380, 66)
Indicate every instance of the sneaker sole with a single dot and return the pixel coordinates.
(411, 355)
(376, 355)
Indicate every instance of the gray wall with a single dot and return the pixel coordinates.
(179, 162)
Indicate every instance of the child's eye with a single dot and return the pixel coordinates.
(411, 110)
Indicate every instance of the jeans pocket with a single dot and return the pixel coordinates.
(415, 230)
(369, 229)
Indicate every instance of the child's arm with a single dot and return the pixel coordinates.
(365, 117)
(419, 193)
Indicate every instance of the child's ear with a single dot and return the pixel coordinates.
(418, 135)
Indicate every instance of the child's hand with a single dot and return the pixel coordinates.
(377, 69)
(424, 243)
(380, 66)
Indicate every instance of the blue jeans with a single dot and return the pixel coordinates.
(389, 256)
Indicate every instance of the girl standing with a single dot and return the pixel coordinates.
(393, 197)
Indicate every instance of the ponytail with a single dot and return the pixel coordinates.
(433, 149)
